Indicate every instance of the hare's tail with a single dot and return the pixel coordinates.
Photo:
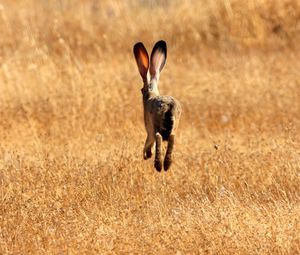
(168, 123)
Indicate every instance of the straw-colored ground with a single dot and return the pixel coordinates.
(71, 128)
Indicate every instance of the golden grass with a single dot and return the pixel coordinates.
(72, 175)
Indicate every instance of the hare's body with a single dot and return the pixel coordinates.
(161, 113)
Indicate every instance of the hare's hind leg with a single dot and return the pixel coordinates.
(168, 157)
(148, 147)
(158, 156)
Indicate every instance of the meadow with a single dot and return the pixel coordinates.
(73, 178)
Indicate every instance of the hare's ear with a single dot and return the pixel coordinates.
(142, 59)
(158, 58)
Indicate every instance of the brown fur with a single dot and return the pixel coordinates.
(161, 113)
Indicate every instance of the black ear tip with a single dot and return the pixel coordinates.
(137, 45)
(161, 44)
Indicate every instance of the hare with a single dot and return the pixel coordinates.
(161, 113)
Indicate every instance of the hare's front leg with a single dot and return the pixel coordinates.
(148, 146)
(158, 156)
(168, 157)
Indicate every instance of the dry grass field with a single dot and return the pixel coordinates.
(73, 179)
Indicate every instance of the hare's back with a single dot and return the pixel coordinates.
(165, 111)
(162, 104)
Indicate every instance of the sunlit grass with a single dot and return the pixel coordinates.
(71, 129)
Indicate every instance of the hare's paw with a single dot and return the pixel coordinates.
(147, 154)
(158, 165)
(167, 163)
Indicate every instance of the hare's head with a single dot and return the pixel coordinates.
(150, 74)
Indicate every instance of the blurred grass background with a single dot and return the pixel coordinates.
(90, 28)
(71, 129)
